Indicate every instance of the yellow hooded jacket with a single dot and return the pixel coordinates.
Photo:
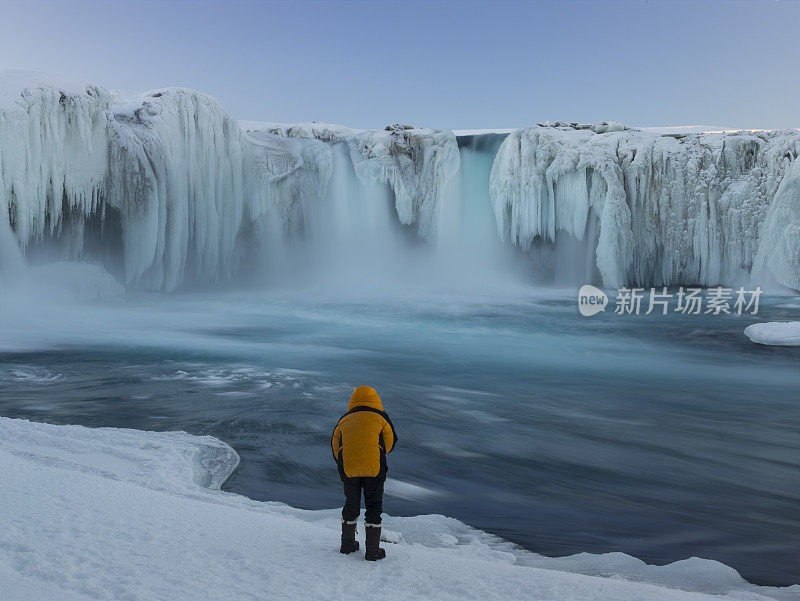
(363, 436)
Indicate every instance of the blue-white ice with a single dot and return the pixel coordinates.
(179, 191)
(778, 333)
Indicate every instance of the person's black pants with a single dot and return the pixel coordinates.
(373, 499)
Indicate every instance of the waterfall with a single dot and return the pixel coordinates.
(467, 250)
(166, 189)
(352, 238)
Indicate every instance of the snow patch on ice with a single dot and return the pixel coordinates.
(778, 333)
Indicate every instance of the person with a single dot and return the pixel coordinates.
(362, 438)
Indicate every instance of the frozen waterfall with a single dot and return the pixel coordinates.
(669, 210)
(167, 189)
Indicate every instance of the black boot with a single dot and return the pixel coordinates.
(349, 542)
(374, 551)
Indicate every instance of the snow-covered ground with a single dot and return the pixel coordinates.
(778, 333)
(694, 129)
(127, 514)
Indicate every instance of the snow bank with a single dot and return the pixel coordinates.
(779, 333)
(481, 132)
(124, 514)
(326, 132)
(15, 82)
(687, 208)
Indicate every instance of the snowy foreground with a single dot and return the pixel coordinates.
(778, 333)
(125, 514)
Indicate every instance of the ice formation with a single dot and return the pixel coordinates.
(779, 250)
(53, 153)
(284, 175)
(175, 175)
(127, 514)
(167, 188)
(417, 163)
(777, 333)
(167, 179)
(670, 210)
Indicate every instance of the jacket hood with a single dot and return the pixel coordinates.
(365, 396)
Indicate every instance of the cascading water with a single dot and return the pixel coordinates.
(352, 240)
(466, 223)
(467, 250)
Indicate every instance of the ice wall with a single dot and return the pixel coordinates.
(283, 177)
(175, 174)
(670, 210)
(417, 163)
(166, 188)
(379, 213)
(53, 152)
(169, 172)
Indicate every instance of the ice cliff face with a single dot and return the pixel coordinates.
(170, 172)
(167, 188)
(175, 174)
(688, 209)
(417, 164)
(53, 154)
(283, 176)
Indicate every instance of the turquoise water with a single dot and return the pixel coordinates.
(660, 436)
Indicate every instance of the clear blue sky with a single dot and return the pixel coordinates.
(439, 64)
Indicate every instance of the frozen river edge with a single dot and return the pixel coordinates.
(116, 513)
